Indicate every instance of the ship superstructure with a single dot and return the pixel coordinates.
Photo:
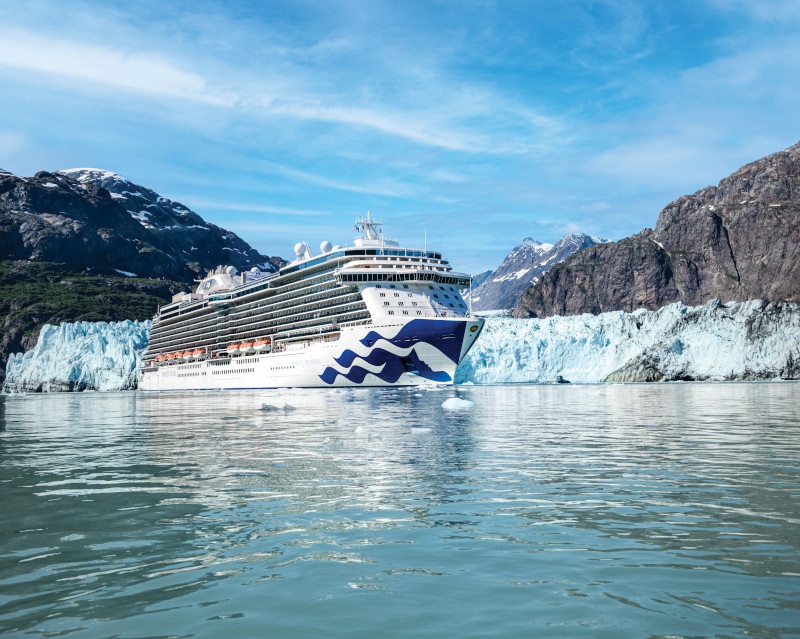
(372, 314)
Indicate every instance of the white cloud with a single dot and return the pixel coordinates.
(119, 68)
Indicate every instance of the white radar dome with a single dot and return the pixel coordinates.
(255, 269)
(299, 249)
(231, 270)
(326, 246)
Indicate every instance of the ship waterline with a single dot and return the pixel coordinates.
(374, 314)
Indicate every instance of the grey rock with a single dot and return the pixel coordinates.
(737, 241)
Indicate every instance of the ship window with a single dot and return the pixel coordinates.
(399, 303)
(397, 294)
(411, 294)
(405, 312)
(419, 312)
(413, 303)
(446, 296)
(405, 285)
(391, 312)
(378, 286)
(430, 287)
(383, 294)
(436, 296)
(451, 306)
(386, 303)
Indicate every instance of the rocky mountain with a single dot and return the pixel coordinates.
(96, 219)
(174, 228)
(88, 245)
(737, 241)
(523, 266)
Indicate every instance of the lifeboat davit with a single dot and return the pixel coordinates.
(233, 349)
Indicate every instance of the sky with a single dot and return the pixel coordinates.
(468, 125)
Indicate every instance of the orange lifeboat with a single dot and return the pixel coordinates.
(198, 353)
(234, 349)
(247, 347)
(169, 356)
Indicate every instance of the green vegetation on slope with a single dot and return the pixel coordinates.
(36, 293)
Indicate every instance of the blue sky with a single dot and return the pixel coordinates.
(478, 122)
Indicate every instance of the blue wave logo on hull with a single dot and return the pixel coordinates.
(445, 336)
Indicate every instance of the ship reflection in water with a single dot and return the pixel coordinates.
(625, 511)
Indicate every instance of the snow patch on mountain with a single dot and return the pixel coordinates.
(80, 356)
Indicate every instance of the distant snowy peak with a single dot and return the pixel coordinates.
(536, 245)
(523, 266)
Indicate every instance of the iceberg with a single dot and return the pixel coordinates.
(80, 356)
(714, 342)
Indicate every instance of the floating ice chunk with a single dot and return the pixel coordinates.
(454, 403)
(280, 407)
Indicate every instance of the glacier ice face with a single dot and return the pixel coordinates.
(80, 356)
(734, 341)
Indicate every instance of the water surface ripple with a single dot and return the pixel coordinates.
(665, 510)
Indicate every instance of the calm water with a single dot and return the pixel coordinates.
(539, 511)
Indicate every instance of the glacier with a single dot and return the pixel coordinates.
(103, 356)
(734, 341)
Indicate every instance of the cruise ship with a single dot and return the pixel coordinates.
(371, 314)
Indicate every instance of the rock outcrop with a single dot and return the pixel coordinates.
(738, 241)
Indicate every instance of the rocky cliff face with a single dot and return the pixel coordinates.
(96, 219)
(175, 229)
(523, 266)
(738, 241)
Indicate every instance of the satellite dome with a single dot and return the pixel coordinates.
(299, 249)
(326, 246)
(231, 270)
(255, 270)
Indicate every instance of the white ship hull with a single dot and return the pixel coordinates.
(418, 351)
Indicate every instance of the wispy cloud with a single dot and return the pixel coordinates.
(253, 208)
(385, 187)
(119, 68)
